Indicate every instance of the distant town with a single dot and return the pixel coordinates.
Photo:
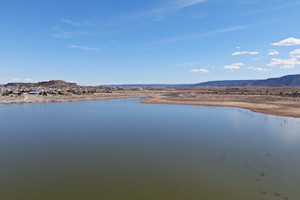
(55, 87)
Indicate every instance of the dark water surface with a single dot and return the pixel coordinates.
(120, 149)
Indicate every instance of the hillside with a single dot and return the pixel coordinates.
(285, 81)
(230, 83)
(149, 85)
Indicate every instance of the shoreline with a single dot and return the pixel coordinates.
(250, 99)
(29, 99)
(257, 108)
(66, 101)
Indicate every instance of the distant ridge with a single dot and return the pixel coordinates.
(231, 83)
(149, 85)
(285, 81)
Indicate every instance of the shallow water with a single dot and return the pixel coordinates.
(121, 149)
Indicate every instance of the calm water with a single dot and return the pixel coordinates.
(120, 149)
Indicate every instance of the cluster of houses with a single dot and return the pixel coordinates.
(40, 90)
(56, 88)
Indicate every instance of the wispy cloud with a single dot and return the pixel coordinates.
(15, 79)
(74, 34)
(287, 42)
(195, 36)
(84, 47)
(259, 69)
(67, 34)
(245, 52)
(201, 71)
(249, 2)
(273, 52)
(10, 71)
(28, 80)
(234, 66)
(159, 12)
(70, 22)
(188, 64)
(185, 3)
(273, 8)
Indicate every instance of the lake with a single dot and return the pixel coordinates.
(121, 149)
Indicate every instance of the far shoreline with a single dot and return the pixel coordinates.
(284, 102)
(257, 108)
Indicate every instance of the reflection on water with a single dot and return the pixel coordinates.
(120, 149)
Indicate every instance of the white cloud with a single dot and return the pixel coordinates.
(288, 63)
(202, 71)
(287, 42)
(285, 63)
(253, 52)
(245, 52)
(70, 22)
(273, 52)
(84, 47)
(259, 69)
(15, 79)
(295, 52)
(28, 80)
(234, 66)
(237, 47)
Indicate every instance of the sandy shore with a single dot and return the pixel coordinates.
(275, 101)
(270, 109)
(271, 103)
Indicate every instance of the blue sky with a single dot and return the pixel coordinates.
(160, 41)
